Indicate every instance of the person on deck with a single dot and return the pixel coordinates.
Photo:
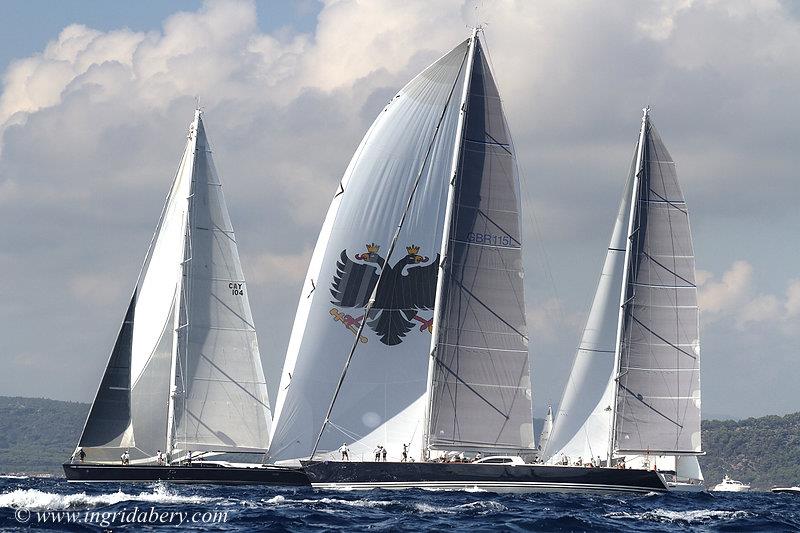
(159, 458)
(383, 454)
(81, 454)
(478, 456)
(345, 451)
(125, 457)
(378, 453)
(405, 453)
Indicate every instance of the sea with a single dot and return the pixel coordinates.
(51, 504)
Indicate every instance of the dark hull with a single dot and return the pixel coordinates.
(208, 473)
(490, 477)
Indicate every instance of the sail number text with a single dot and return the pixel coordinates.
(237, 289)
(489, 238)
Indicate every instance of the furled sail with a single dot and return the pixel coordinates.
(658, 383)
(582, 425)
(481, 393)
(221, 400)
(130, 410)
(547, 429)
(383, 400)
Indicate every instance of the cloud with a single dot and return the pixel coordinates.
(92, 126)
(734, 297)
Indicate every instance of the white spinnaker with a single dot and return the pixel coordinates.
(383, 380)
(582, 424)
(222, 402)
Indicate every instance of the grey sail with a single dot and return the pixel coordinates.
(481, 388)
(658, 384)
(221, 400)
(110, 415)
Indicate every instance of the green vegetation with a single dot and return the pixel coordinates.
(37, 435)
(763, 451)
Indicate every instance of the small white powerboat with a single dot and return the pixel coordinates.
(731, 485)
(787, 490)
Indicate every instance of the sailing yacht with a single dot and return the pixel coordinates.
(633, 395)
(184, 380)
(410, 343)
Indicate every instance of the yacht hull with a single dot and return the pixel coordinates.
(215, 474)
(489, 477)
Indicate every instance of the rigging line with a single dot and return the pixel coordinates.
(501, 319)
(396, 237)
(468, 386)
(660, 337)
(634, 395)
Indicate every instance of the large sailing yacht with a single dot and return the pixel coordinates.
(184, 380)
(633, 395)
(415, 357)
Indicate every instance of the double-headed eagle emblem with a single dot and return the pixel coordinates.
(405, 288)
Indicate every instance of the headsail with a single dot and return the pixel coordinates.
(481, 393)
(382, 402)
(581, 427)
(658, 384)
(131, 407)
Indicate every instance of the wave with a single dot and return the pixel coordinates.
(698, 516)
(282, 500)
(13, 476)
(34, 499)
(480, 506)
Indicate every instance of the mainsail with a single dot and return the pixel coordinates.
(634, 387)
(481, 385)
(401, 182)
(658, 379)
(185, 372)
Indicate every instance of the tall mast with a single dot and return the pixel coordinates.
(625, 273)
(448, 215)
(180, 328)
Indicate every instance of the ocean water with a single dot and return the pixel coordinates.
(31, 504)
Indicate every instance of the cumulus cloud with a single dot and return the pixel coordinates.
(734, 297)
(92, 126)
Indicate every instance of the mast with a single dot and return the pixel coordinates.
(178, 327)
(625, 272)
(451, 195)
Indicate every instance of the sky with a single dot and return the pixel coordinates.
(96, 98)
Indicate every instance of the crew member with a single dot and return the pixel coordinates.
(378, 453)
(125, 457)
(345, 452)
(405, 453)
(383, 454)
(81, 454)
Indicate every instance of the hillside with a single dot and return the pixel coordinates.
(763, 451)
(37, 435)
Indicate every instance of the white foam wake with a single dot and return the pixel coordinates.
(38, 500)
(481, 506)
(697, 516)
(282, 500)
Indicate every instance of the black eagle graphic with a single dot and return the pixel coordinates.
(405, 288)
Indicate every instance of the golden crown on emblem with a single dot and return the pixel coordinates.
(373, 248)
(412, 250)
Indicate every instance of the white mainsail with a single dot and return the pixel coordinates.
(185, 372)
(640, 372)
(403, 175)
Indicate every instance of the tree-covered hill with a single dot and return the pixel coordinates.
(762, 451)
(37, 435)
